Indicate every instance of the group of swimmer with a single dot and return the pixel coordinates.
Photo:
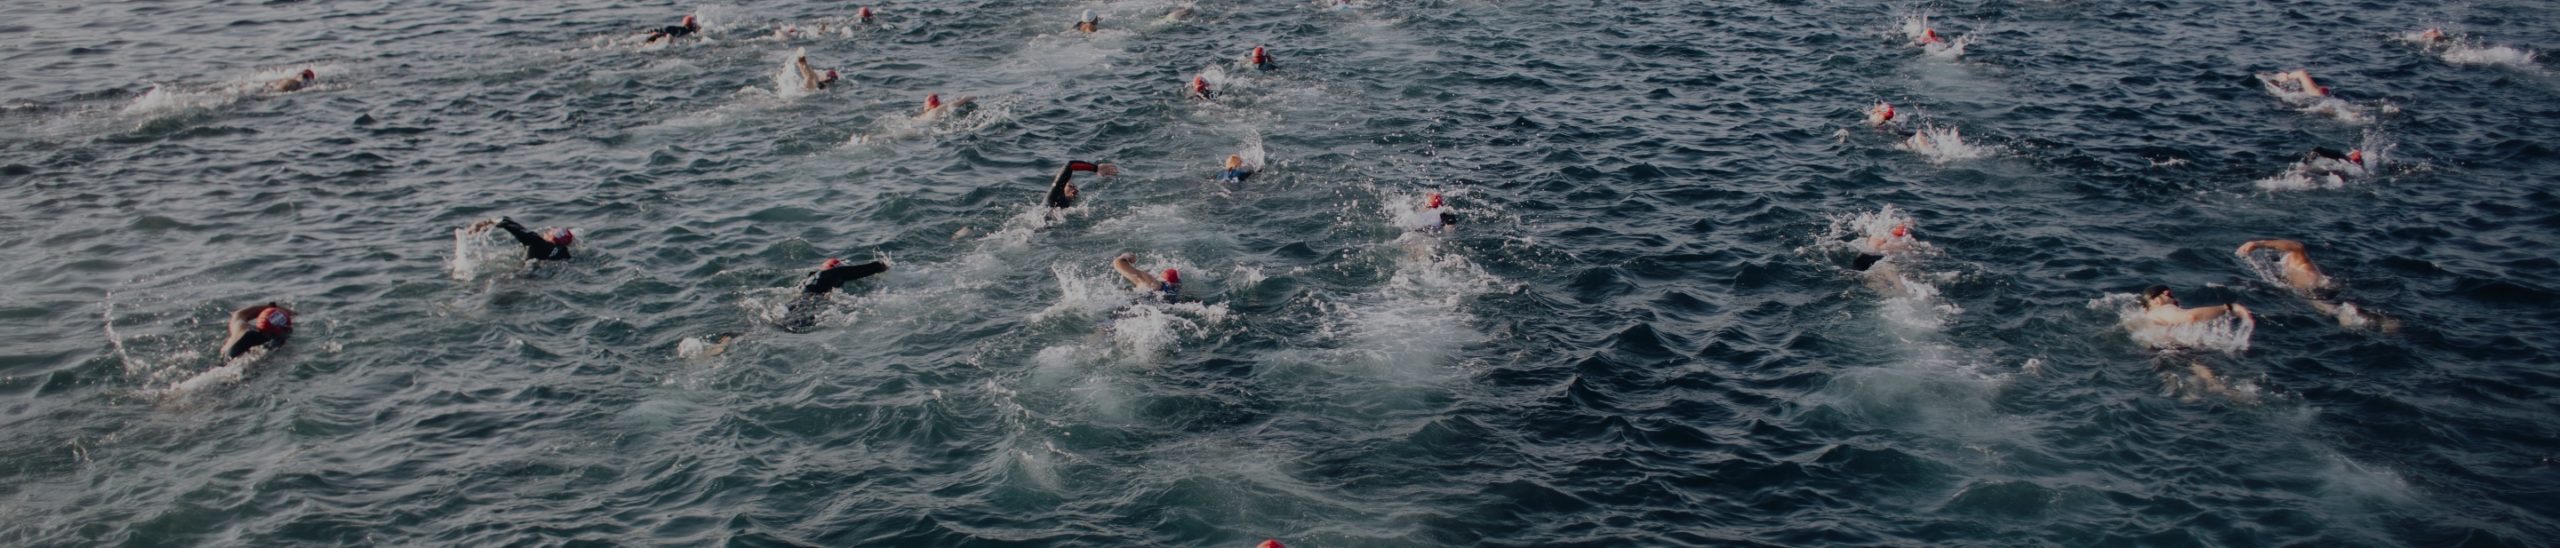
(2159, 306)
(270, 325)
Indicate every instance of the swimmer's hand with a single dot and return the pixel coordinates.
(1107, 170)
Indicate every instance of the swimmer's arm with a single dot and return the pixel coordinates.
(841, 275)
(241, 342)
(527, 237)
(1141, 280)
(808, 77)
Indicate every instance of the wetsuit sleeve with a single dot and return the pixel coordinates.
(824, 281)
(534, 246)
(1066, 175)
(241, 344)
(527, 237)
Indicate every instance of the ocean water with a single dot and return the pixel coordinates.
(1643, 331)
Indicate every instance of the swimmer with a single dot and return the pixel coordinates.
(1880, 247)
(1236, 170)
(863, 14)
(1062, 190)
(294, 83)
(1881, 115)
(671, 33)
(1167, 289)
(933, 105)
(265, 325)
(1181, 12)
(810, 79)
(1929, 37)
(2160, 307)
(2298, 272)
(1270, 543)
(2324, 159)
(552, 244)
(1259, 59)
(832, 274)
(1200, 88)
(2431, 37)
(1437, 216)
(1090, 23)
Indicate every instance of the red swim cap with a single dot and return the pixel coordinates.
(1270, 543)
(932, 100)
(1259, 57)
(1199, 83)
(562, 236)
(275, 321)
(2356, 156)
(831, 263)
(307, 74)
(1432, 202)
(1172, 276)
(1888, 110)
(1902, 231)
(864, 13)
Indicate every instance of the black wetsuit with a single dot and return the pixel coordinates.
(252, 337)
(672, 32)
(534, 246)
(1236, 175)
(1169, 292)
(1865, 261)
(824, 281)
(802, 312)
(1058, 188)
(2326, 152)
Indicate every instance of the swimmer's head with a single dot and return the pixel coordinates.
(2355, 157)
(831, 76)
(864, 13)
(1902, 230)
(1200, 84)
(275, 320)
(1432, 201)
(932, 101)
(1235, 161)
(1089, 18)
(560, 236)
(689, 22)
(1884, 112)
(1930, 36)
(1259, 57)
(831, 264)
(308, 75)
(2158, 295)
(2432, 35)
(1172, 276)
(1270, 543)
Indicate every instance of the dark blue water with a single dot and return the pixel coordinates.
(1644, 330)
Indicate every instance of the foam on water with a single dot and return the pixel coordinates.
(2499, 56)
(1944, 144)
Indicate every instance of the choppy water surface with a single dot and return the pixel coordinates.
(1644, 332)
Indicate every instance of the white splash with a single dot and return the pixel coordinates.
(1942, 145)
(2500, 56)
(481, 253)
